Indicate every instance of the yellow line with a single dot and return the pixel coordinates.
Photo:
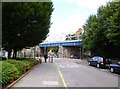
(63, 80)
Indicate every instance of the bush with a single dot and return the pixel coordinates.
(18, 64)
(10, 65)
(6, 72)
(32, 60)
(27, 63)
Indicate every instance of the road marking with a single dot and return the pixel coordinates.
(60, 73)
(50, 83)
(68, 66)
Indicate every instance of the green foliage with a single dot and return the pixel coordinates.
(25, 24)
(113, 31)
(33, 61)
(55, 49)
(6, 72)
(18, 64)
(102, 31)
(10, 65)
(27, 63)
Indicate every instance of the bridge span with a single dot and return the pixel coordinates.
(66, 48)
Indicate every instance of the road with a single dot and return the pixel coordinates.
(76, 74)
(68, 73)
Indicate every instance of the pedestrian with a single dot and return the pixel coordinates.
(49, 56)
(52, 54)
(45, 57)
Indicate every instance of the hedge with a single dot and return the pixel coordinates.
(10, 65)
(27, 63)
(18, 64)
(31, 60)
(6, 72)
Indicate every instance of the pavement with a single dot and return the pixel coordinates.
(43, 75)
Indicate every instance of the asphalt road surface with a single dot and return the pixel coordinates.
(68, 73)
(76, 74)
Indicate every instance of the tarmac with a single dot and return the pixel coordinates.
(43, 75)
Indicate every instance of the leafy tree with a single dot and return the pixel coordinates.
(25, 24)
(102, 32)
(113, 31)
(55, 49)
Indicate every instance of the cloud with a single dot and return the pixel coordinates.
(88, 3)
(77, 16)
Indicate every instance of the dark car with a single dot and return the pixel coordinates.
(115, 67)
(99, 62)
(74, 56)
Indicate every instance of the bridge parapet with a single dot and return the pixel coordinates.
(63, 43)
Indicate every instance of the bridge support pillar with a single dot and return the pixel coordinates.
(60, 52)
(45, 50)
(81, 53)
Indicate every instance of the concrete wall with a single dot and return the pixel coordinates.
(60, 52)
(65, 52)
(41, 51)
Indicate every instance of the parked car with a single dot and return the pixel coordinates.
(115, 67)
(74, 56)
(99, 62)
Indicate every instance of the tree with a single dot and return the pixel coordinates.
(25, 24)
(54, 49)
(102, 32)
(113, 31)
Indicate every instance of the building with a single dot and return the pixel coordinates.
(77, 33)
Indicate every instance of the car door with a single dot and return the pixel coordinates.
(91, 61)
(95, 61)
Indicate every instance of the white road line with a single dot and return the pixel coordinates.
(50, 83)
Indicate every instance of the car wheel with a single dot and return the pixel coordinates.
(89, 63)
(98, 65)
(111, 70)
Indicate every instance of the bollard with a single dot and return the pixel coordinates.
(51, 60)
(12, 76)
(24, 69)
(30, 65)
(40, 61)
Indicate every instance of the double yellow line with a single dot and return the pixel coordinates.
(61, 76)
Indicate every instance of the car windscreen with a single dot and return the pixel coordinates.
(100, 59)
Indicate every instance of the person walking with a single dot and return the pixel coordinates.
(45, 57)
(52, 54)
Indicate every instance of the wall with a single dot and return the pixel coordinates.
(65, 52)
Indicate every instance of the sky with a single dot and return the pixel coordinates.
(70, 15)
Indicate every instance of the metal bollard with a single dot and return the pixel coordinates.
(12, 76)
(24, 69)
(30, 65)
(51, 60)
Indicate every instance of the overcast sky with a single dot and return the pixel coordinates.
(70, 15)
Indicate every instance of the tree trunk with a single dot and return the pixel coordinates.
(15, 53)
(9, 53)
